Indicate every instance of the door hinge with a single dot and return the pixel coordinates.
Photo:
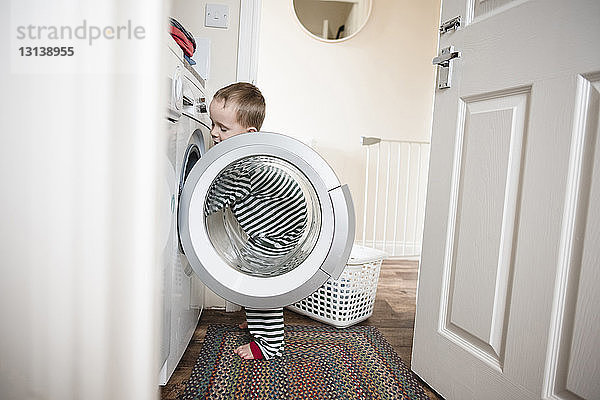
(444, 63)
(451, 24)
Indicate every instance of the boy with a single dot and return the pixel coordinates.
(246, 192)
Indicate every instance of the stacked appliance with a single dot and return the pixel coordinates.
(188, 137)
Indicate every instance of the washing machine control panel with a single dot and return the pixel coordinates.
(201, 106)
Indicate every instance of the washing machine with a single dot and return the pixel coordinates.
(188, 138)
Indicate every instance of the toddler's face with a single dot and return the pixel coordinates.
(224, 122)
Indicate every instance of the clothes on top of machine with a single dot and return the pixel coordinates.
(189, 60)
(268, 204)
(184, 39)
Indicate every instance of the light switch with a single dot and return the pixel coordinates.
(217, 16)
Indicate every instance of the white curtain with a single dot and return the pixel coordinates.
(79, 157)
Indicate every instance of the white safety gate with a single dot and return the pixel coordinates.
(394, 195)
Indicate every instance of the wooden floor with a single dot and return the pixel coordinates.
(393, 315)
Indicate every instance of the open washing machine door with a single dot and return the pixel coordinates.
(219, 248)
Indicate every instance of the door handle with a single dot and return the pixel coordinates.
(444, 58)
(443, 61)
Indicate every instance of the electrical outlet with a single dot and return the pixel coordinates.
(217, 16)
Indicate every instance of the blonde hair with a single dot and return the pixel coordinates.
(247, 101)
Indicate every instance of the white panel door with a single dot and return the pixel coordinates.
(508, 303)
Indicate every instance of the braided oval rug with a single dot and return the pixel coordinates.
(318, 362)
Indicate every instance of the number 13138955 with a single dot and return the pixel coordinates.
(46, 51)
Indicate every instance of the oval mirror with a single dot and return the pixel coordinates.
(332, 20)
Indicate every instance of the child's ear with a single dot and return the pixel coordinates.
(252, 129)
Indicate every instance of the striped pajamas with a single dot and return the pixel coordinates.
(271, 210)
(266, 327)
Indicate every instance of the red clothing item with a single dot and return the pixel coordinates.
(255, 351)
(186, 45)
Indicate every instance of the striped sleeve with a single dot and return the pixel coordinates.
(231, 186)
(274, 214)
(268, 204)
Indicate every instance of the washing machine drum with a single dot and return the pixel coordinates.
(264, 221)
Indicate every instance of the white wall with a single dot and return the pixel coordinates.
(378, 83)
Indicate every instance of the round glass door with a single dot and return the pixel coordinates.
(263, 216)
(264, 221)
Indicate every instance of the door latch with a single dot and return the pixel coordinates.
(451, 24)
(444, 63)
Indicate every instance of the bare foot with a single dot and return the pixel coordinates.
(244, 352)
(243, 325)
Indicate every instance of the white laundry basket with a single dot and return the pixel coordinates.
(350, 298)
